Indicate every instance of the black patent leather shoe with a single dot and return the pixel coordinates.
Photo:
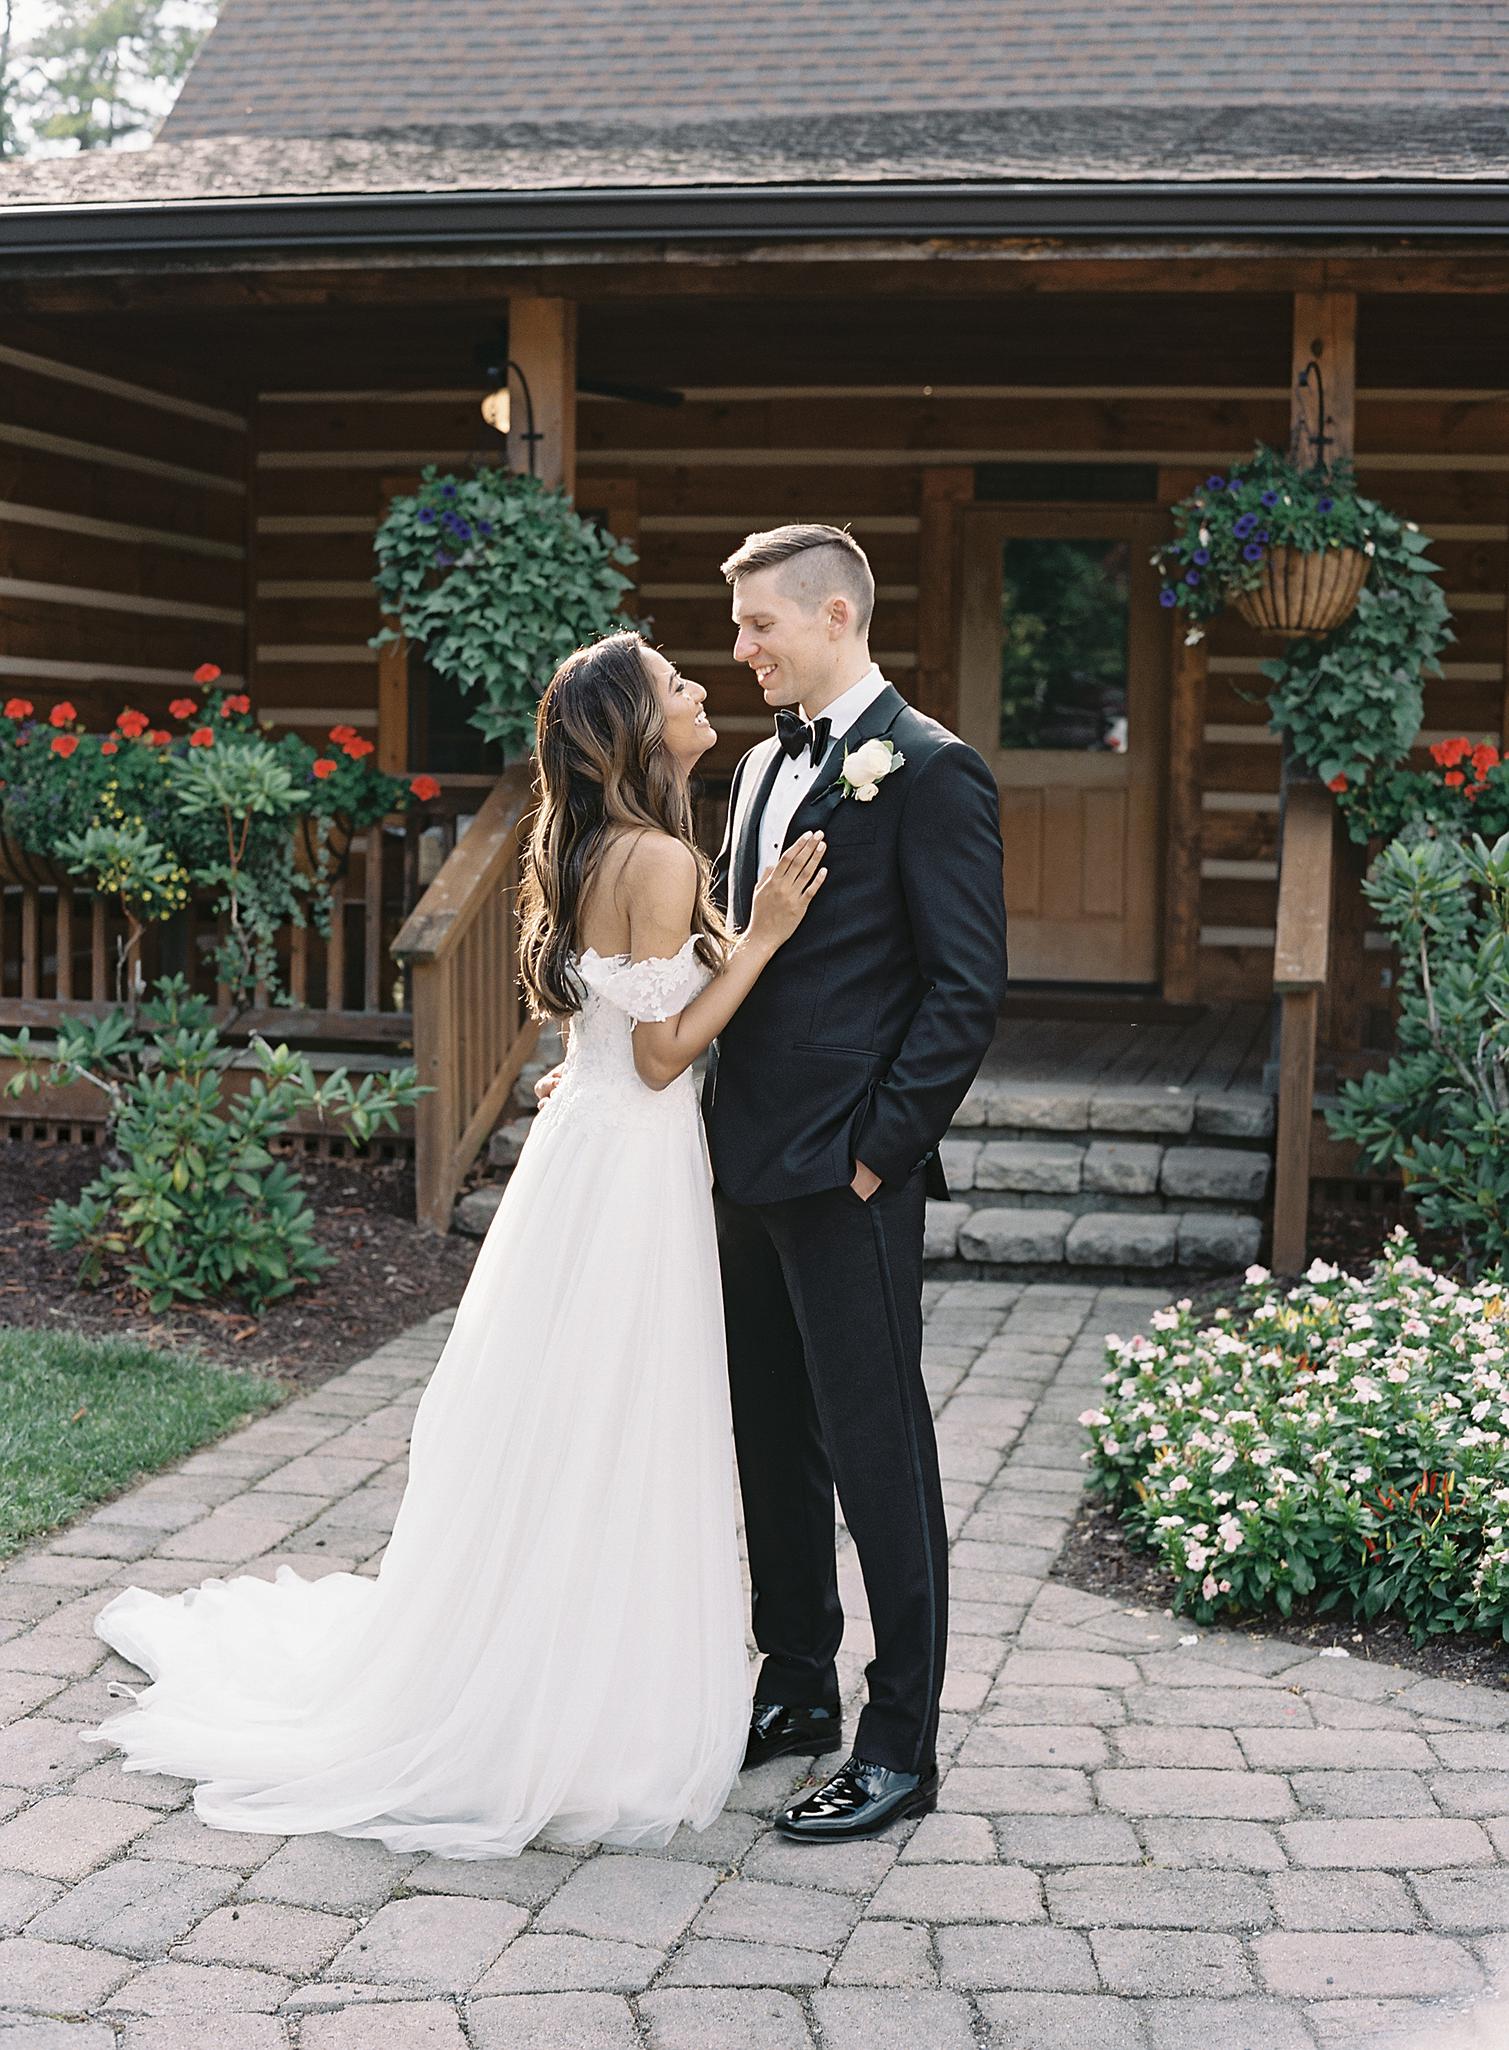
(860, 1799)
(774, 1730)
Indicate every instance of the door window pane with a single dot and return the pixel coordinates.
(1064, 610)
(442, 738)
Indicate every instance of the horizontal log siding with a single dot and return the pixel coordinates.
(321, 456)
(123, 507)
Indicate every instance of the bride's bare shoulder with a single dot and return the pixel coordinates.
(659, 865)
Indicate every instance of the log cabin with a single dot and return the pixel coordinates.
(992, 286)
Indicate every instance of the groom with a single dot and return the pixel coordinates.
(826, 1097)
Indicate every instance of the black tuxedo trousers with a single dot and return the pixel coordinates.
(822, 1299)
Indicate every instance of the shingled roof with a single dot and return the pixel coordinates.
(366, 98)
(355, 67)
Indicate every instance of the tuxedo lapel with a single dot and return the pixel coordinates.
(746, 857)
(873, 723)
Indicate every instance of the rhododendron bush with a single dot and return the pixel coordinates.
(1346, 1439)
(1439, 1111)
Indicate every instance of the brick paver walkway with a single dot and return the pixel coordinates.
(1150, 1837)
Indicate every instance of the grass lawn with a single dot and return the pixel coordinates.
(82, 1418)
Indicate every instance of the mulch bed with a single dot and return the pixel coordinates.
(388, 1273)
(1100, 1556)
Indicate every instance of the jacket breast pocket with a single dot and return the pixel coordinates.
(850, 826)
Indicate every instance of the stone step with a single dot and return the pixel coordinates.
(1123, 1168)
(998, 1102)
(999, 1236)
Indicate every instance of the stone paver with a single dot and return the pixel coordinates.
(1150, 1836)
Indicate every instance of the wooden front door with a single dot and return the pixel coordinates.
(1061, 688)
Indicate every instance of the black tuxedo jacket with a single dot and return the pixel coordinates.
(862, 1035)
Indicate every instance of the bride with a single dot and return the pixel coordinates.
(553, 1645)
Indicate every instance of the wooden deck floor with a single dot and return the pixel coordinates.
(1221, 1047)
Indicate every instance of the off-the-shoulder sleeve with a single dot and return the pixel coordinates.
(655, 988)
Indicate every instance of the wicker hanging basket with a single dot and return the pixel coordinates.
(1304, 593)
(19, 865)
(338, 836)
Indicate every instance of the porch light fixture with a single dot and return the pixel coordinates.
(497, 409)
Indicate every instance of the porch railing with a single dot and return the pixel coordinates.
(350, 999)
(1301, 959)
(472, 1032)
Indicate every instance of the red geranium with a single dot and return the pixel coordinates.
(202, 736)
(342, 733)
(325, 767)
(18, 708)
(110, 747)
(1454, 779)
(132, 723)
(239, 703)
(62, 715)
(356, 747)
(1337, 783)
(157, 738)
(183, 708)
(424, 788)
(207, 672)
(64, 744)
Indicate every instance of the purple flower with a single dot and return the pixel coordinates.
(1270, 498)
(1168, 595)
(1201, 556)
(485, 527)
(1215, 484)
(1324, 504)
(1192, 576)
(447, 491)
(1262, 534)
(1252, 552)
(426, 517)
(1244, 526)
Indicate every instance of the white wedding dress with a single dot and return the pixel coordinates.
(553, 1645)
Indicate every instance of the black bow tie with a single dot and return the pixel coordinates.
(797, 737)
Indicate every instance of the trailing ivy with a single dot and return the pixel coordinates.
(1352, 701)
(497, 578)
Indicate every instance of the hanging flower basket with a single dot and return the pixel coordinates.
(1298, 551)
(339, 831)
(1304, 591)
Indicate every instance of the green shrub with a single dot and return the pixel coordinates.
(192, 1200)
(1346, 1439)
(1439, 1111)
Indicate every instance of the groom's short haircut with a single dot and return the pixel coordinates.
(818, 561)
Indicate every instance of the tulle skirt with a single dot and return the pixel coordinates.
(553, 1645)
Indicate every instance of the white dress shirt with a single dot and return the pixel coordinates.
(797, 773)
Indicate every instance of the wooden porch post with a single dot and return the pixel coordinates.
(1325, 334)
(1184, 833)
(542, 341)
(937, 685)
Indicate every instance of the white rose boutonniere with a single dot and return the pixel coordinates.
(866, 769)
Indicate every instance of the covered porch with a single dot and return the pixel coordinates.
(192, 467)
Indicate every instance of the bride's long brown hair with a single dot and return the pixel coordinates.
(601, 765)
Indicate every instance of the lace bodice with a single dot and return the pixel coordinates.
(599, 1078)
